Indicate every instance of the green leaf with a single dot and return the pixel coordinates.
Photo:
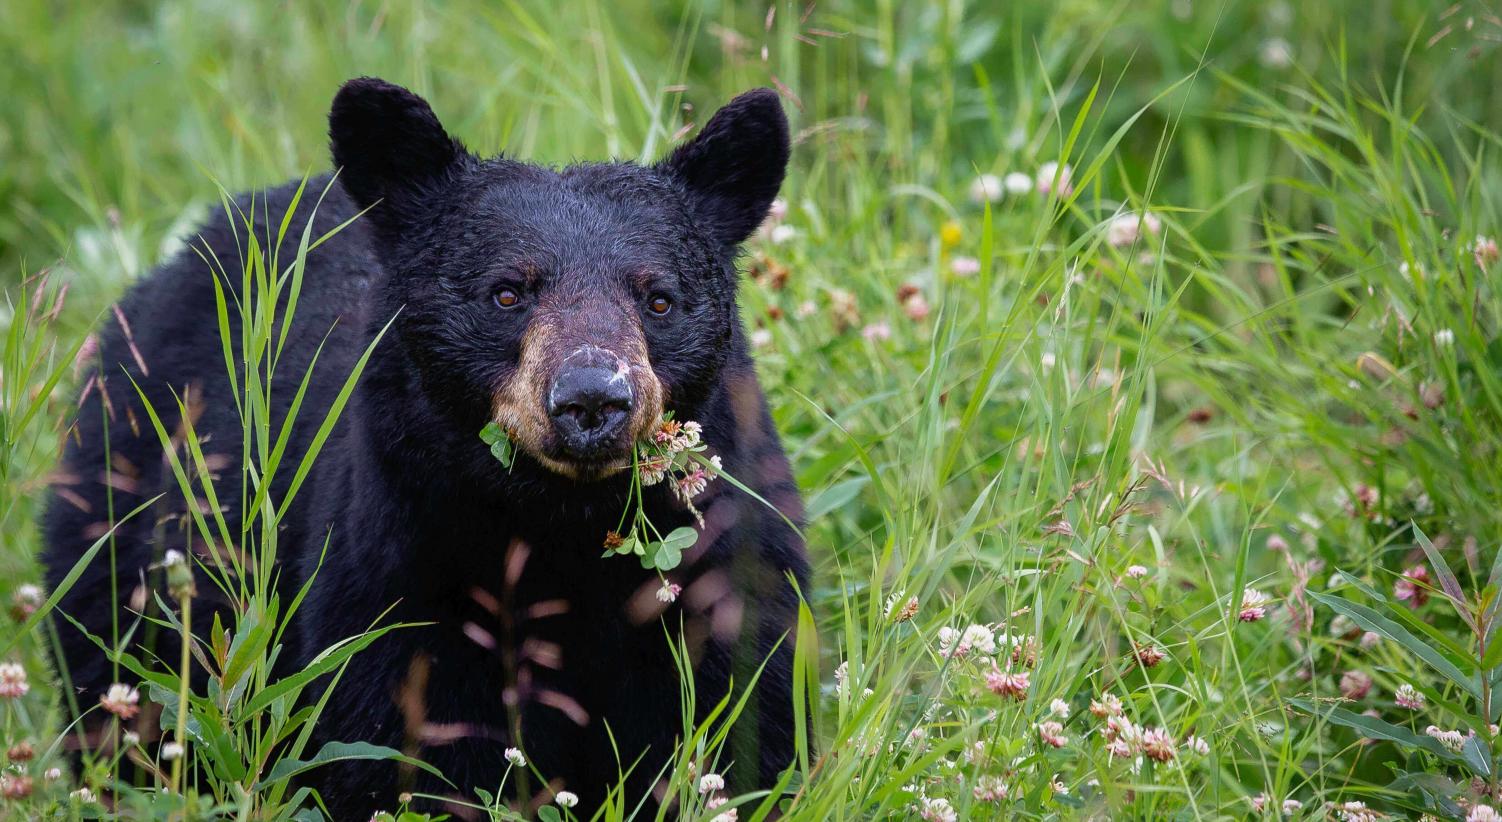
(835, 497)
(339, 752)
(548, 813)
(1476, 754)
(325, 662)
(1371, 620)
(492, 433)
(500, 443)
(1373, 728)
(680, 539)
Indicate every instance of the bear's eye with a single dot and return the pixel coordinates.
(659, 305)
(507, 298)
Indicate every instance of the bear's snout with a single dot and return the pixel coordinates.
(590, 402)
(590, 406)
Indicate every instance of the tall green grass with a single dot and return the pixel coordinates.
(1291, 387)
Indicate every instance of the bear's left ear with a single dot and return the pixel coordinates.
(388, 147)
(735, 165)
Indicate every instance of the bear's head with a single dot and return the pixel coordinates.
(571, 306)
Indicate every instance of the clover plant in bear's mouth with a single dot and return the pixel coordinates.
(673, 452)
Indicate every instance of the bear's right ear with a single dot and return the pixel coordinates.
(388, 146)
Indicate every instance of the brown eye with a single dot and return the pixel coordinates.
(660, 305)
(507, 298)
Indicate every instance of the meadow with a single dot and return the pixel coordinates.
(1140, 364)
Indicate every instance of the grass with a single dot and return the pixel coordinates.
(1293, 386)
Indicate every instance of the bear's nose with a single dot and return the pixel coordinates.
(589, 405)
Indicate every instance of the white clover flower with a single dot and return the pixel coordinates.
(937, 809)
(964, 266)
(980, 638)
(1454, 740)
(1275, 53)
(1253, 605)
(1444, 338)
(13, 684)
(1409, 697)
(1136, 571)
(986, 188)
(711, 782)
(1125, 229)
(121, 700)
(669, 592)
(1046, 177)
(782, 234)
(171, 751)
(1017, 183)
(1059, 708)
(515, 757)
(566, 799)
(1052, 734)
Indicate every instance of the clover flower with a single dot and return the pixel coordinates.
(1253, 605)
(654, 469)
(25, 601)
(711, 782)
(1149, 655)
(907, 611)
(1409, 697)
(1125, 229)
(1356, 812)
(669, 592)
(1157, 744)
(989, 788)
(1483, 813)
(1017, 183)
(1008, 684)
(121, 700)
(516, 758)
(1136, 571)
(964, 266)
(1355, 685)
(1052, 733)
(1108, 705)
(1486, 252)
(986, 188)
(171, 751)
(13, 684)
(1454, 740)
(1048, 172)
(1196, 745)
(1411, 587)
(937, 809)
(566, 799)
(1059, 708)
(15, 786)
(691, 484)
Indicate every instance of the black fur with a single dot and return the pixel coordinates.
(417, 514)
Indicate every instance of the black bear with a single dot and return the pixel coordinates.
(582, 309)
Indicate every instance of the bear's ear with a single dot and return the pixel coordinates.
(734, 167)
(388, 146)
